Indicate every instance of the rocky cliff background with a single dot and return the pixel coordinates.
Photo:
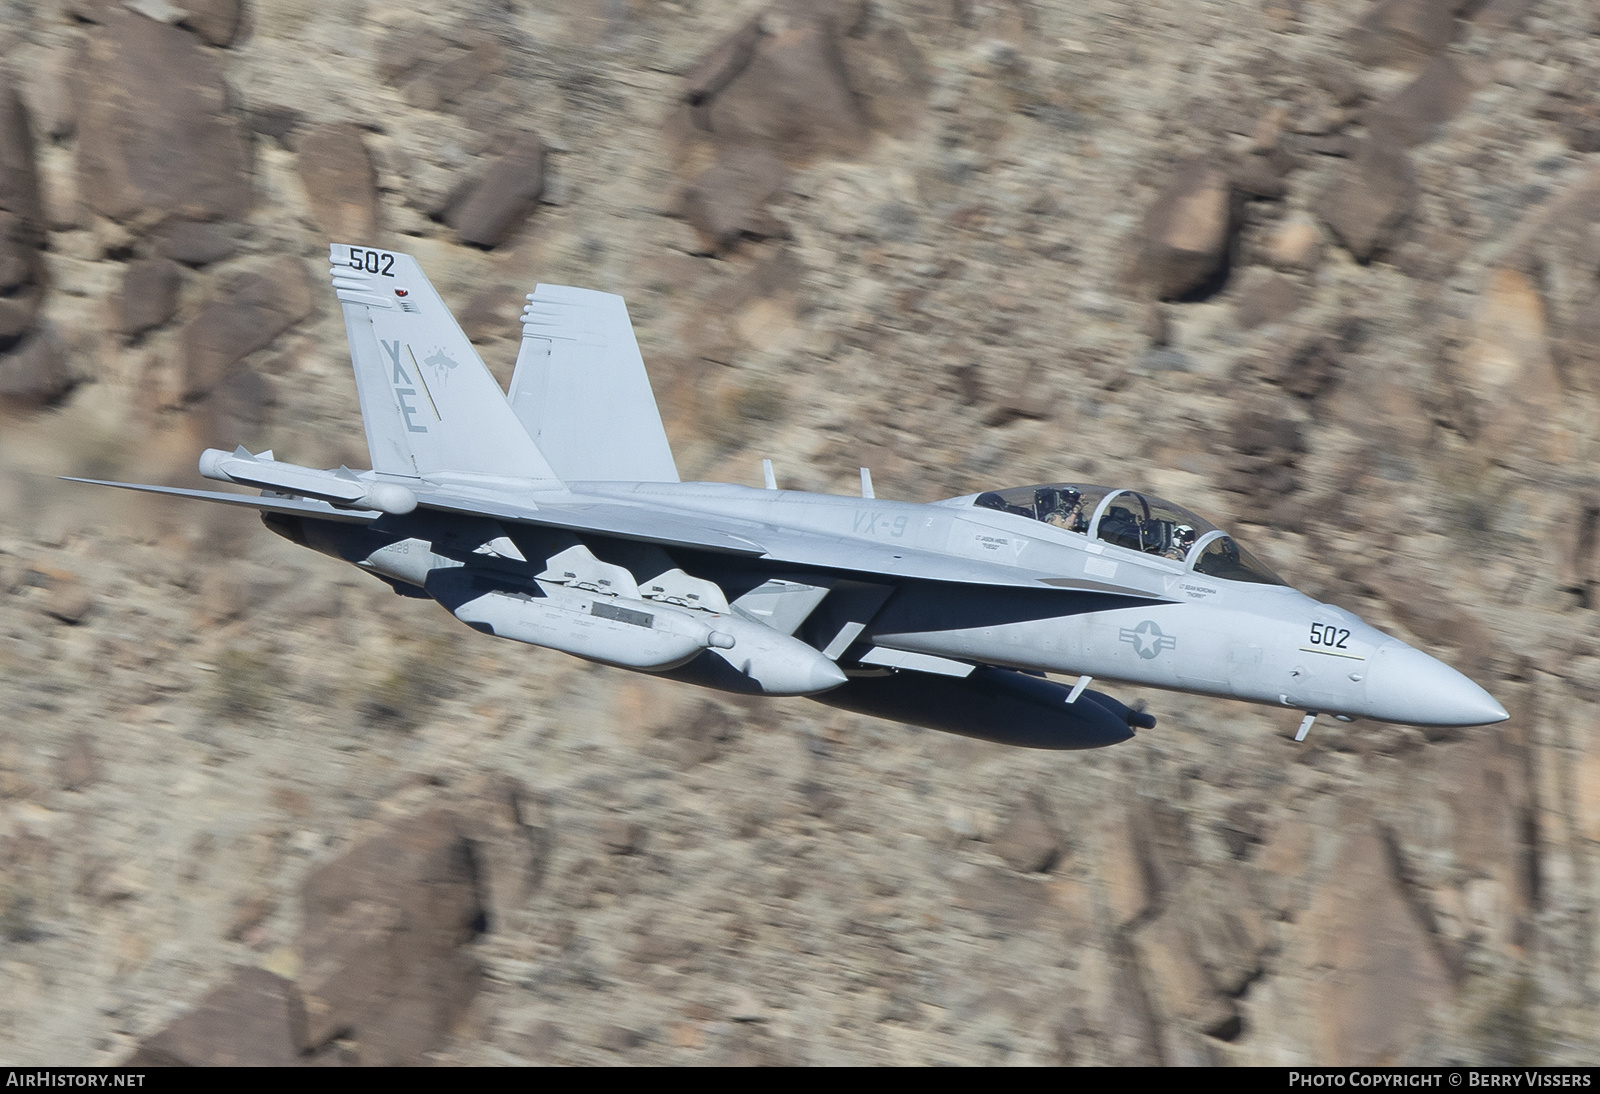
(1327, 271)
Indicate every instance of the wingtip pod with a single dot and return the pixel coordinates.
(211, 464)
(265, 473)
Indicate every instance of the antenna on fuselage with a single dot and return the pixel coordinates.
(767, 475)
(866, 483)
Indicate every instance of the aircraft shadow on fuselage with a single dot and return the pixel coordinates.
(890, 607)
(935, 606)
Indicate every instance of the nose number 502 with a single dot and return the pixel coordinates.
(1329, 636)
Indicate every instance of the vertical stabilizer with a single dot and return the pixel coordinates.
(581, 390)
(427, 401)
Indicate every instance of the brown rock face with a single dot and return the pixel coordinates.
(1029, 842)
(1296, 245)
(1258, 177)
(217, 21)
(1487, 827)
(35, 374)
(79, 766)
(1008, 902)
(1310, 368)
(149, 294)
(196, 244)
(1413, 115)
(510, 841)
(1180, 981)
(248, 314)
(1503, 14)
(69, 601)
(1227, 929)
(1588, 790)
(1404, 31)
(433, 70)
(1508, 365)
(1382, 972)
(21, 230)
(1367, 205)
(780, 80)
(1510, 344)
(1572, 106)
(235, 410)
(728, 201)
(1556, 248)
(382, 947)
(17, 314)
(1188, 232)
(19, 175)
(887, 71)
(1583, 337)
(717, 69)
(502, 197)
(697, 738)
(156, 138)
(256, 1019)
(1267, 298)
(491, 313)
(1266, 451)
(336, 170)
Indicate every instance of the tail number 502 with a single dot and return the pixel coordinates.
(373, 262)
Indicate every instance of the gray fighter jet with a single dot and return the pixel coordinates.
(554, 515)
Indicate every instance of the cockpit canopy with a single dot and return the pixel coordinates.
(1138, 522)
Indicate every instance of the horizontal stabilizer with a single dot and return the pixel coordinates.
(916, 662)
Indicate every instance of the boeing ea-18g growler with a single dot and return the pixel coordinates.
(554, 515)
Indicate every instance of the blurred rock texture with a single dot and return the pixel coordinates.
(1327, 272)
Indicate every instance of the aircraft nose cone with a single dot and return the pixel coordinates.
(1406, 685)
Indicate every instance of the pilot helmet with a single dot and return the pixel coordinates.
(1183, 534)
(1058, 499)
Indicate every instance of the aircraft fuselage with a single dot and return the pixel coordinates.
(1179, 629)
(1260, 643)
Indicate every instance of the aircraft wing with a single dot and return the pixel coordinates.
(753, 539)
(650, 524)
(266, 502)
(602, 518)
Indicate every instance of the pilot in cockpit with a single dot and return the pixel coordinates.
(1183, 538)
(1061, 507)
